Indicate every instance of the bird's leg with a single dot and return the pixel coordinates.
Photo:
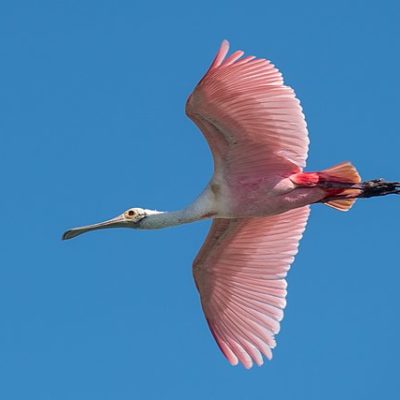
(372, 188)
(379, 187)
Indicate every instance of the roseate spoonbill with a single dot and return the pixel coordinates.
(258, 199)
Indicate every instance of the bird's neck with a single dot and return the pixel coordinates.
(200, 209)
(163, 219)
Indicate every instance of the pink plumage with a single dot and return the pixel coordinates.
(258, 199)
(257, 133)
(250, 119)
(240, 273)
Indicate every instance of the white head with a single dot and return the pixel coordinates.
(131, 218)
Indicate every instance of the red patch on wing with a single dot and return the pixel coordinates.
(306, 178)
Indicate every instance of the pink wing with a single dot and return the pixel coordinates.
(252, 121)
(240, 273)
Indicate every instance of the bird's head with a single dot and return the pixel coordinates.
(129, 219)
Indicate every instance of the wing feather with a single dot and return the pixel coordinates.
(248, 116)
(240, 274)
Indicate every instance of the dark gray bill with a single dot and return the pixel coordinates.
(116, 222)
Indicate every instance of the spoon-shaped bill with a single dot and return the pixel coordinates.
(116, 222)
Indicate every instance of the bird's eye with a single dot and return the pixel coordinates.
(131, 213)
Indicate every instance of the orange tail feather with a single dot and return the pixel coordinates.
(342, 173)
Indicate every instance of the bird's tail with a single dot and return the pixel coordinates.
(343, 185)
(339, 182)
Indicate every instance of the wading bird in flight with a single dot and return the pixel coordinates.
(258, 198)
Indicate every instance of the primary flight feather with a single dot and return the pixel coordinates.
(258, 199)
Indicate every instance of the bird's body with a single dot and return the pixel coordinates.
(258, 199)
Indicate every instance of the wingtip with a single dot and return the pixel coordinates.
(221, 54)
(225, 43)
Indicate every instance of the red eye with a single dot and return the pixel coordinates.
(131, 213)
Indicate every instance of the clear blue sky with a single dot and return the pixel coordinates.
(92, 96)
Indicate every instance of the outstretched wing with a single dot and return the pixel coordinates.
(240, 273)
(252, 121)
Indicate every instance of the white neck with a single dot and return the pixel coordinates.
(201, 208)
(163, 219)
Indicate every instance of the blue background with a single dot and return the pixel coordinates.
(92, 96)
